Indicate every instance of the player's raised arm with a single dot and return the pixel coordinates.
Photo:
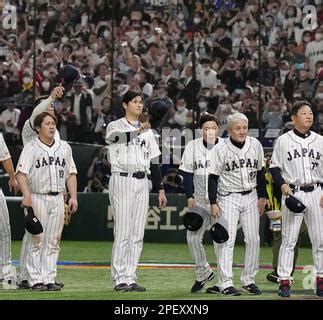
(46, 105)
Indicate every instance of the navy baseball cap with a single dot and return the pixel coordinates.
(219, 231)
(67, 75)
(32, 224)
(294, 204)
(193, 218)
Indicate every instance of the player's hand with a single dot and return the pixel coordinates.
(286, 190)
(215, 210)
(162, 200)
(57, 92)
(144, 127)
(261, 205)
(13, 185)
(191, 203)
(26, 202)
(321, 201)
(72, 203)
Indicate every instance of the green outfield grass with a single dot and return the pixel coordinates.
(162, 284)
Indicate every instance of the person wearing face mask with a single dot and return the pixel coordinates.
(299, 50)
(45, 87)
(314, 50)
(208, 77)
(181, 116)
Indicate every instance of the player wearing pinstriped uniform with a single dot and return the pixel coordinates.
(297, 168)
(132, 147)
(195, 164)
(44, 169)
(5, 232)
(235, 172)
(28, 134)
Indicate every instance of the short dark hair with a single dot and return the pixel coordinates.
(208, 117)
(129, 95)
(40, 118)
(299, 104)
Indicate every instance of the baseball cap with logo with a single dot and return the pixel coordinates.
(294, 204)
(193, 218)
(32, 224)
(219, 231)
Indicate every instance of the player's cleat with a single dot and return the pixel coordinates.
(53, 287)
(60, 284)
(10, 283)
(137, 287)
(39, 287)
(252, 288)
(273, 277)
(122, 287)
(284, 289)
(319, 287)
(23, 284)
(198, 285)
(214, 289)
(231, 291)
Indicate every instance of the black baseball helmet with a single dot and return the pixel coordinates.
(294, 204)
(67, 75)
(32, 224)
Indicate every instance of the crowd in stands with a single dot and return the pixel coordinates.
(256, 60)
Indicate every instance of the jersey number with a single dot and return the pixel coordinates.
(252, 175)
(61, 174)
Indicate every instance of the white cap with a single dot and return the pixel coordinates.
(147, 89)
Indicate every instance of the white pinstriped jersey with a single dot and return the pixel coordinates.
(196, 159)
(4, 152)
(237, 168)
(300, 160)
(135, 155)
(47, 167)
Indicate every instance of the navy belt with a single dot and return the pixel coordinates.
(245, 192)
(308, 188)
(51, 193)
(137, 175)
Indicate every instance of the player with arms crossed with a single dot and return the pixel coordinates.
(237, 191)
(297, 168)
(133, 154)
(44, 169)
(195, 164)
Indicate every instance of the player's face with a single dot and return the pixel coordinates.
(239, 130)
(303, 120)
(134, 107)
(47, 128)
(210, 131)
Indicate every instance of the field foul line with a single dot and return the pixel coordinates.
(143, 265)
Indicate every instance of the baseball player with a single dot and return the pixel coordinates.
(44, 168)
(297, 168)
(195, 164)
(132, 149)
(28, 134)
(5, 233)
(237, 191)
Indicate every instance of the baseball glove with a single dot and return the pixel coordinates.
(274, 214)
(67, 215)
